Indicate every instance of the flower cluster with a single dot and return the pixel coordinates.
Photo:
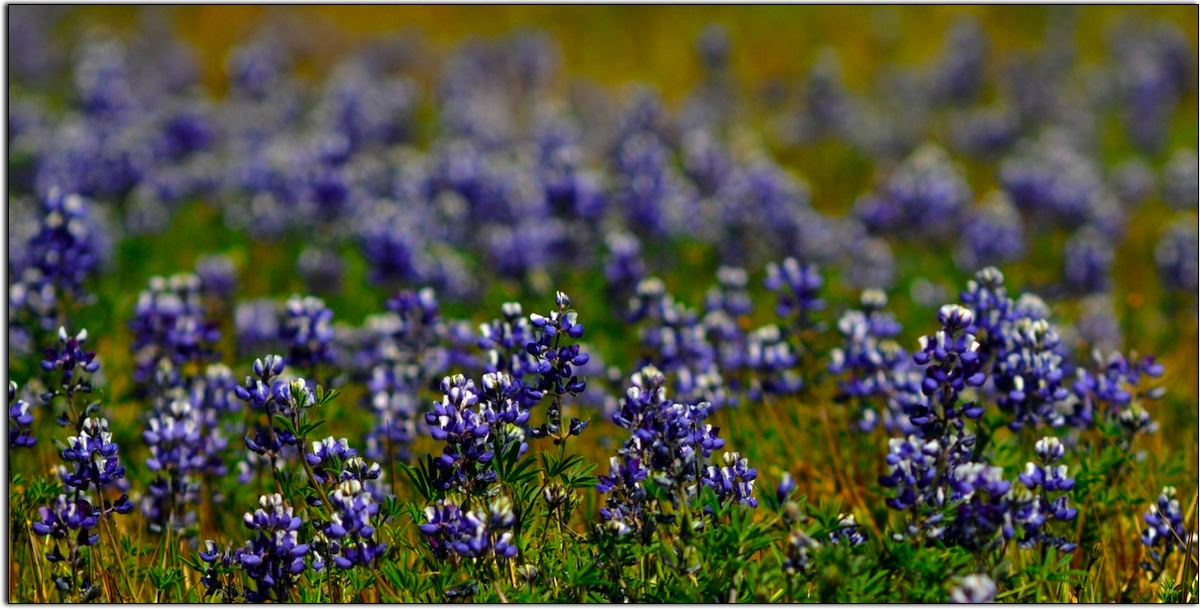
(556, 360)
(1165, 532)
(351, 528)
(480, 533)
(797, 288)
(185, 443)
(1047, 481)
(1114, 392)
(73, 366)
(307, 331)
(669, 446)
(871, 366)
(459, 421)
(169, 324)
(20, 420)
(48, 271)
(272, 559)
(925, 194)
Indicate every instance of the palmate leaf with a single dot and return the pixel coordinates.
(421, 478)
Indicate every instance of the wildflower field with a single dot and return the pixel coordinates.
(602, 304)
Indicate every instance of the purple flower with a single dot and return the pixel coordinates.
(459, 422)
(272, 559)
(1114, 391)
(1028, 374)
(797, 288)
(623, 266)
(870, 363)
(951, 360)
(256, 324)
(798, 552)
(307, 330)
(327, 456)
(20, 420)
(352, 526)
(992, 234)
(733, 481)
(68, 246)
(321, 270)
(1087, 261)
(477, 534)
(72, 520)
(1175, 257)
(74, 363)
(555, 361)
(170, 324)
(1050, 179)
(926, 193)
(1165, 532)
(217, 275)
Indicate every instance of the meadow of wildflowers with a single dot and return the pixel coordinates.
(415, 304)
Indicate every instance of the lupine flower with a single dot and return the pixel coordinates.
(266, 393)
(307, 331)
(975, 588)
(951, 360)
(67, 248)
(926, 193)
(457, 421)
(1087, 261)
(217, 275)
(1098, 325)
(67, 519)
(770, 362)
(982, 517)
(20, 420)
(73, 362)
(991, 308)
(1046, 481)
(91, 460)
(1051, 179)
(797, 288)
(504, 340)
(1165, 532)
(622, 511)
(1176, 255)
(1105, 392)
(870, 362)
(556, 361)
(169, 324)
(185, 443)
(991, 234)
(274, 557)
(1028, 375)
(321, 270)
(848, 531)
(673, 339)
(327, 455)
(958, 72)
(785, 487)
(623, 266)
(477, 534)
(351, 526)
(733, 481)
(914, 476)
(670, 445)
(798, 552)
(256, 324)
(652, 196)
